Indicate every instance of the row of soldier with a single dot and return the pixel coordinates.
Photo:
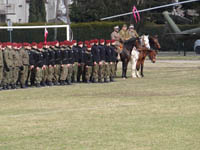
(56, 63)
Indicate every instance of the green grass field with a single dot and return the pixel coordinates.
(158, 112)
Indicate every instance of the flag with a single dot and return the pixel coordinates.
(45, 35)
(136, 17)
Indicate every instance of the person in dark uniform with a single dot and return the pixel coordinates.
(89, 62)
(76, 57)
(96, 56)
(81, 52)
(114, 60)
(71, 62)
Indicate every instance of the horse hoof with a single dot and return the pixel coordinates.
(124, 78)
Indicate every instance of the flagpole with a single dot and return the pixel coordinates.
(148, 9)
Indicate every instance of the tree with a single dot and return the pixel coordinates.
(37, 11)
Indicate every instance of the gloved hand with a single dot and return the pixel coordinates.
(21, 68)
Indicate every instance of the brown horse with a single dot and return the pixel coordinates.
(126, 53)
(154, 44)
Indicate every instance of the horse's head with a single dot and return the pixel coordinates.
(152, 55)
(154, 42)
(144, 40)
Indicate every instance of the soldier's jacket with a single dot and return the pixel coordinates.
(24, 56)
(88, 58)
(96, 53)
(102, 49)
(124, 35)
(46, 56)
(133, 34)
(113, 53)
(81, 52)
(70, 55)
(58, 56)
(51, 57)
(8, 57)
(115, 36)
(31, 54)
(64, 54)
(76, 53)
(39, 59)
(1, 58)
(17, 61)
(108, 54)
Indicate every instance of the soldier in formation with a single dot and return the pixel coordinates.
(24, 65)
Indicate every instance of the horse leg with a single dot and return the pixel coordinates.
(126, 66)
(123, 66)
(133, 66)
(142, 68)
(138, 69)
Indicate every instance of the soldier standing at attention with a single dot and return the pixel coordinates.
(31, 72)
(65, 61)
(46, 63)
(88, 59)
(132, 32)
(58, 62)
(113, 60)
(1, 65)
(51, 64)
(17, 65)
(75, 66)
(25, 62)
(8, 65)
(39, 65)
(96, 57)
(71, 63)
(108, 59)
(80, 61)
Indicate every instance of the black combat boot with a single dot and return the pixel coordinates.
(105, 80)
(69, 83)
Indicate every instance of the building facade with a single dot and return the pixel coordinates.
(17, 11)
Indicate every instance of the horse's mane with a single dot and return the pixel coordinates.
(128, 45)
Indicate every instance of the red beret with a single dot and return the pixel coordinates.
(14, 44)
(4, 44)
(112, 41)
(89, 46)
(80, 43)
(86, 42)
(74, 41)
(107, 41)
(19, 45)
(26, 44)
(91, 41)
(102, 41)
(0, 44)
(34, 44)
(40, 46)
(9, 44)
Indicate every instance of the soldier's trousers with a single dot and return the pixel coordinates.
(38, 75)
(69, 72)
(63, 73)
(103, 71)
(57, 70)
(31, 76)
(7, 75)
(1, 75)
(23, 75)
(112, 70)
(44, 75)
(95, 72)
(75, 72)
(50, 74)
(81, 73)
(88, 73)
(15, 75)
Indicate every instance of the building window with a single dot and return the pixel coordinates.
(20, 20)
(20, 5)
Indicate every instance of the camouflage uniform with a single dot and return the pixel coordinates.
(96, 58)
(70, 65)
(51, 66)
(75, 66)
(8, 65)
(64, 68)
(58, 62)
(25, 63)
(124, 35)
(81, 64)
(88, 59)
(1, 66)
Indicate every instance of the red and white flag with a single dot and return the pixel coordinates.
(45, 34)
(136, 14)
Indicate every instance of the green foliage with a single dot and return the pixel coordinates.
(91, 30)
(37, 11)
